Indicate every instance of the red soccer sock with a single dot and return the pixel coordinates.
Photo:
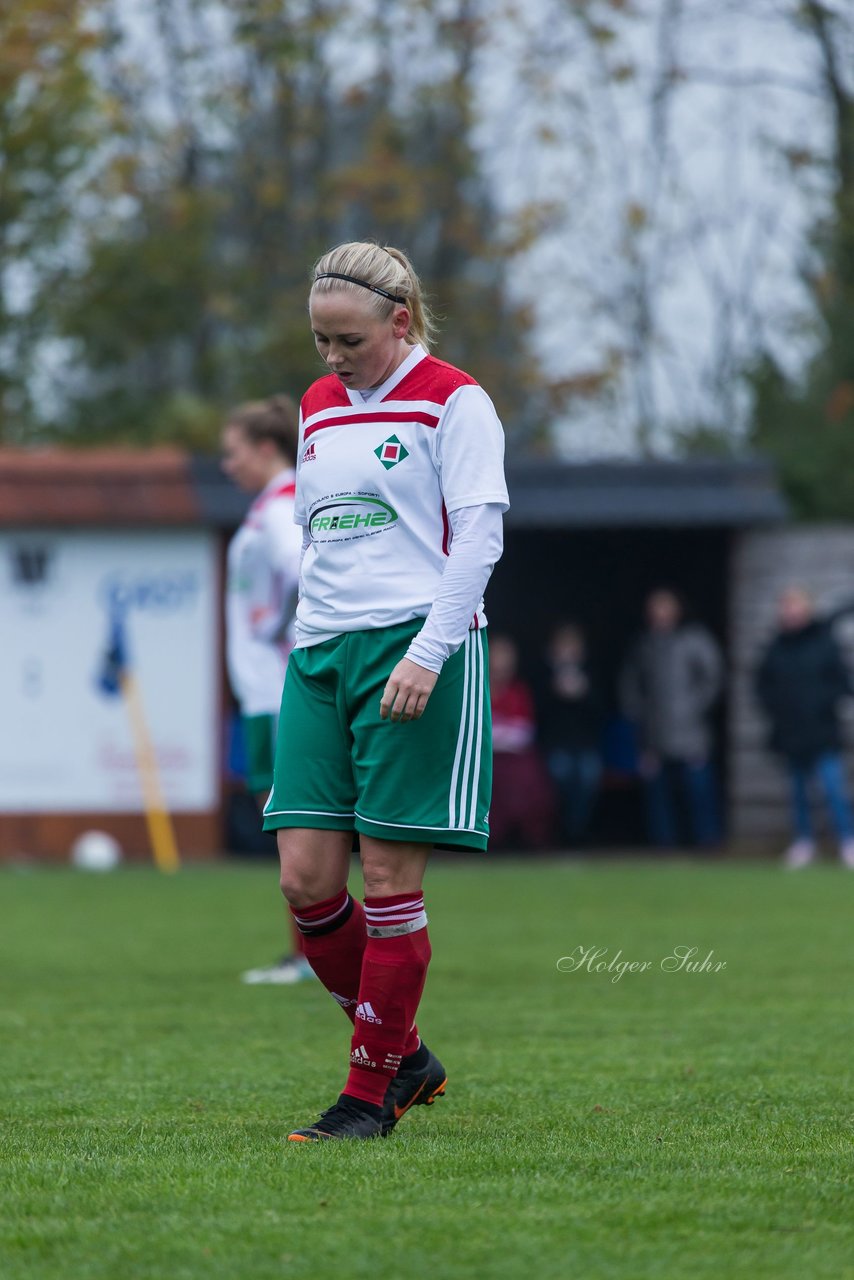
(334, 938)
(394, 969)
(297, 939)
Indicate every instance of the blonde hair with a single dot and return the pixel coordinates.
(379, 267)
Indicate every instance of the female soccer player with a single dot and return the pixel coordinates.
(385, 726)
(259, 444)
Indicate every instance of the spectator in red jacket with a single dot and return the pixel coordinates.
(523, 809)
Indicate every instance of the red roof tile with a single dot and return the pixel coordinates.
(96, 486)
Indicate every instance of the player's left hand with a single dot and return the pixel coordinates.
(405, 696)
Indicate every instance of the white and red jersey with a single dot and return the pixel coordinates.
(263, 573)
(377, 475)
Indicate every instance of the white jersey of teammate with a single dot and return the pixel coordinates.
(263, 574)
(378, 474)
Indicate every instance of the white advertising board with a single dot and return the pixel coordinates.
(67, 743)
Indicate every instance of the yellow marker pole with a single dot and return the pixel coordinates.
(160, 829)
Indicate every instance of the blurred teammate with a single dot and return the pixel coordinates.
(385, 724)
(258, 452)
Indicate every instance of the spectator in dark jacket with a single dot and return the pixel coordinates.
(669, 684)
(571, 724)
(800, 681)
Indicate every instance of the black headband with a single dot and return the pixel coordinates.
(374, 288)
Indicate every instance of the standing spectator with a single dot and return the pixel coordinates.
(800, 681)
(669, 684)
(258, 453)
(522, 808)
(571, 726)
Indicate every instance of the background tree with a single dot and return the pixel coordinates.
(617, 205)
(666, 226)
(243, 170)
(807, 423)
(51, 119)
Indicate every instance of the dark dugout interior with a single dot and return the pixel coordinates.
(599, 579)
(586, 543)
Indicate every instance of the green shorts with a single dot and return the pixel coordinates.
(340, 767)
(259, 735)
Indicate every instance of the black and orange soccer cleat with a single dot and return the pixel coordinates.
(344, 1120)
(413, 1087)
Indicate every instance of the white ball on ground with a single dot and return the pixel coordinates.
(96, 851)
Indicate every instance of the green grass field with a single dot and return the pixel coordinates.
(666, 1124)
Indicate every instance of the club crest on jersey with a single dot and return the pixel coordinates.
(309, 455)
(390, 452)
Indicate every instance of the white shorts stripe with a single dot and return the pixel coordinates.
(455, 772)
(474, 696)
(417, 826)
(478, 728)
(312, 813)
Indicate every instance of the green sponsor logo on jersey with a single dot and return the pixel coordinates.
(351, 515)
(391, 452)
